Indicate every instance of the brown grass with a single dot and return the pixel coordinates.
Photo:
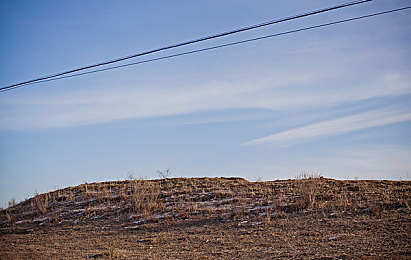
(294, 216)
(41, 202)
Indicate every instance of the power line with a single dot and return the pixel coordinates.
(187, 43)
(215, 47)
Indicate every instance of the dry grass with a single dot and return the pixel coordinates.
(213, 196)
(188, 203)
(145, 198)
(12, 202)
(41, 202)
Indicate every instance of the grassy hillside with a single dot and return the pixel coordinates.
(212, 218)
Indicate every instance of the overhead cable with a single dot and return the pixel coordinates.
(217, 46)
(187, 43)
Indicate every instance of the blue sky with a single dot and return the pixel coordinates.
(334, 100)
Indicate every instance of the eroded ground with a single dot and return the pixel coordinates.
(215, 218)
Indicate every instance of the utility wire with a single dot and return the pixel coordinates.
(189, 42)
(216, 47)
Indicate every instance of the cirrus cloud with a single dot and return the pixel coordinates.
(338, 126)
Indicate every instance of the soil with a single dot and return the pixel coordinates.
(213, 218)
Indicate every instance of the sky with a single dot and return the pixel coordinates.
(335, 101)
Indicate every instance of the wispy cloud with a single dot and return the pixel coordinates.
(278, 92)
(297, 84)
(338, 126)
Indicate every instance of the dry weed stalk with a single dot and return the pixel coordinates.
(102, 194)
(70, 195)
(90, 211)
(41, 202)
(407, 204)
(12, 202)
(342, 200)
(308, 175)
(145, 197)
(240, 210)
(86, 188)
(8, 216)
(268, 215)
(309, 189)
(163, 174)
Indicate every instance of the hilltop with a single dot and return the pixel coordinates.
(199, 218)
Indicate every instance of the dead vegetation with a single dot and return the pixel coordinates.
(223, 197)
(138, 204)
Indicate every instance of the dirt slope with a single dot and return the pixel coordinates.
(215, 218)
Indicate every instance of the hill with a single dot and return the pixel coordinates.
(224, 218)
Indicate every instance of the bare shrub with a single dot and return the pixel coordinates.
(8, 216)
(342, 200)
(145, 197)
(308, 175)
(240, 204)
(70, 195)
(308, 189)
(12, 202)
(163, 174)
(41, 202)
(102, 193)
(86, 188)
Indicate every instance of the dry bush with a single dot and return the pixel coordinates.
(86, 188)
(308, 175)
(163, 174)
(8, 216)
(41, 202)
(308, 189)
(145, 197)
(342, 200)
(102, 193)
(240, 203)
(70, 195)
(12, 202)
(84, 192)
(122, 194)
